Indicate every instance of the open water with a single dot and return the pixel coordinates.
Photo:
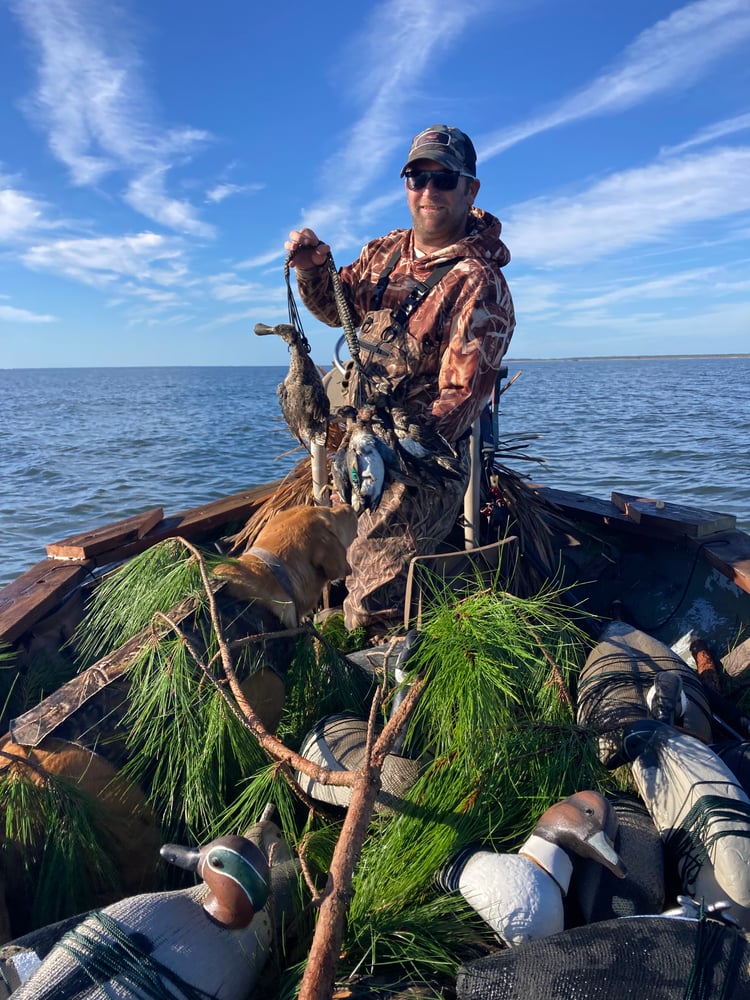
(83, 447)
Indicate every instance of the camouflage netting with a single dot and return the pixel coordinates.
(656, 957)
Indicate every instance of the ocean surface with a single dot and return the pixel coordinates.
(80, 447)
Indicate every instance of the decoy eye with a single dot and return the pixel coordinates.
(217, 863)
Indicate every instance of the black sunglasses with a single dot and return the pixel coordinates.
(444, 180)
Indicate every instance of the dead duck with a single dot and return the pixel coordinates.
(520, 895)
(211, 939)
(303, 398)
(359, 467)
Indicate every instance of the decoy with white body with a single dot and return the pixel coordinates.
(700, 809)
(520, 895)
(211, 939)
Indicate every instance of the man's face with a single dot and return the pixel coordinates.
(439, 217)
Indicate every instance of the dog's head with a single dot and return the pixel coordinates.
(310, 543)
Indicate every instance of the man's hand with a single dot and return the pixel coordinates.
(307, 249)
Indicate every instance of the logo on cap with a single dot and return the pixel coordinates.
(433, 139)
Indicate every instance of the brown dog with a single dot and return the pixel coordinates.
(280, 578)
(293, 557)
(123, 824)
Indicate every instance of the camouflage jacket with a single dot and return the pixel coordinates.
(456, 338)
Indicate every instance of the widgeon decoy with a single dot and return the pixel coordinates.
(211, 939)
(700, 810)
(520, 895)
(303, 398)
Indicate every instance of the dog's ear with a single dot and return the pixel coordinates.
(330, 555)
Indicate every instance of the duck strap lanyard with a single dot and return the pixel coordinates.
(415, 296)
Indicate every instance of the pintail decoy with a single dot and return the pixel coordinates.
(520, 895)
(303, 398)
(699, 808)
(630, 675)
(211, 939)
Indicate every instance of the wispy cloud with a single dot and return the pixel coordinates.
(222, 191)
(228, 288)
(10, 314)
(669, 56)
(400, 39)
(719, 130)
(147, 194)
(20, 214)
(631, 208)
(104, 261)
(96, 111)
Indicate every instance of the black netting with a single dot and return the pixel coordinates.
(649, 958)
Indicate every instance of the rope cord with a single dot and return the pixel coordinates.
(668, 618)
(608, 686)
(345, 316)
(344, 313)
(691, 839)
(108, 952)
(708, 948)
(294, 316)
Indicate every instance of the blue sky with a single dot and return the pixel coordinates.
(154, 154)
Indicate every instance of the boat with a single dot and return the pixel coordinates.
(541, 570)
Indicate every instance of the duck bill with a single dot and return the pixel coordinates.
(182, 857)
(602, 850)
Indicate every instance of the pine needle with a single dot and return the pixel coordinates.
(126, 601)
(73, 864)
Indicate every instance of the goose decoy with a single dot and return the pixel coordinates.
(303, 398)
(520, 895)
(700, 810)
(211, 939)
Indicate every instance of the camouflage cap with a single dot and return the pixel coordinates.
(446, 145)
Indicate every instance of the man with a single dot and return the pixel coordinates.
(437, 364)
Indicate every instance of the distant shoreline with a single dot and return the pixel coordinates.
(507, 360)
(634, 357)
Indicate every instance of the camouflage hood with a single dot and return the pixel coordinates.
(482, 241)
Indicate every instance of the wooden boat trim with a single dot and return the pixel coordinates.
(30, 597)
(720, 542)
(33, 726)
(91, 543)
(691, 521)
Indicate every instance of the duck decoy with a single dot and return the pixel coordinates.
(520, 895)
(596, 894)
(339, 742)
(700, 810)
(626, 678)
(303, 398)
(211, 939)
